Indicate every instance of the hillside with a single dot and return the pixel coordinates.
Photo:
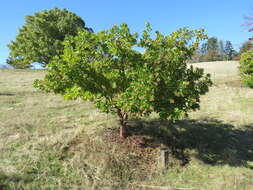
(46, 143)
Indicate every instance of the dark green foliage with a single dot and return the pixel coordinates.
(229, 50)
(41, 37)
(246, 68)
(106, 69)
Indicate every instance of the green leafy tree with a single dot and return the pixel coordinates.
(105, 68)
(246, 68)
(229, 50)
(41, 37)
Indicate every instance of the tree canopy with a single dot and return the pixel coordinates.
(41, 37)
(106, 69)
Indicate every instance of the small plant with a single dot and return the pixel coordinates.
(246, 68)
(105, 68)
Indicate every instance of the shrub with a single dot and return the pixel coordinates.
(246, 68)
(105, 68)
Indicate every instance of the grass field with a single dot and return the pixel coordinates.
(46, 143)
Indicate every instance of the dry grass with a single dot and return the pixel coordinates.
(46, 143)
(225, 70)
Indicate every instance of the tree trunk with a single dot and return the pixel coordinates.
(122, 131)
(123, 123)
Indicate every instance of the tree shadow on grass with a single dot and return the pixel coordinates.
(212, 141)
(6, 94)
(5, 180)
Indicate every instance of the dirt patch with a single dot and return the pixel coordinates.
(232, 83)
(147, 142)
(235, 83)
(137, 142)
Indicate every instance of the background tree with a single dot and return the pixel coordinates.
(41, 37)
(196, 56)
(229, 50)
(204, 49)
(210, 50)
(214, 50)
(212, 44)
(106, 69)
(246, 46)
(211, 55)
(222, 50)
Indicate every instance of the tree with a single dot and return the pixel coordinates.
(229, 50)
(211, 55)
(204, 49)
(246, 46)
(41, 37)
(222, 50)
(196, 56)
(246, 68)
(210, 50)
(213, 50)
(104, 68)
(212, 44)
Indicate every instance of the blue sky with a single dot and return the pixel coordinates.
(220, 18)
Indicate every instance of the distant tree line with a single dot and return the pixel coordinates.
(41, 38)
(215, 50)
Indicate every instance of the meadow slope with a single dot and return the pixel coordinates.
(47, 143)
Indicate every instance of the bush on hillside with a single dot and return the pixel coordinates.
(246, 68)
(106, 69)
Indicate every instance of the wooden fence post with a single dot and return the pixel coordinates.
(164, 158)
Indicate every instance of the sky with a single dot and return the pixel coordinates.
(220, 18)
